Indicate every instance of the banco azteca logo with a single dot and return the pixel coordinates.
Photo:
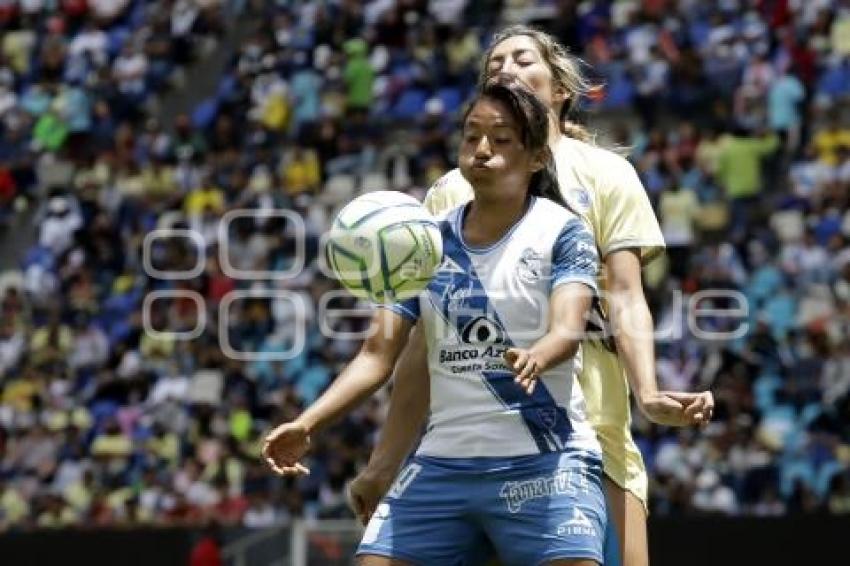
(482, 330)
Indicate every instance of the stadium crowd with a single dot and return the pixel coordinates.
(735, 114)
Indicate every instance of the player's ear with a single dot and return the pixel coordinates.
(538, 162)
(559, 94)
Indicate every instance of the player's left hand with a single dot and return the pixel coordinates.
(699, 407)
(366, 491)
(678, 408)
(526, 367)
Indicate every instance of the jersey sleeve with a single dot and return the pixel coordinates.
(448, 192)
(408, 309)
(627, 219)
(574, 257)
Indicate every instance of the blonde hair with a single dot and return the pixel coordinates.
(566, 73)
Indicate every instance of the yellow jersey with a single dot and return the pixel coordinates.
(604, 189)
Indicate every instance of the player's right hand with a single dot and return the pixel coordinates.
(526, 367)
(366, 491)
(284, 446)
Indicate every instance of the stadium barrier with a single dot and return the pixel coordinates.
(681, 541)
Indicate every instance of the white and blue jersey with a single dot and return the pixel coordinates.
(483, 301)
(523, 472)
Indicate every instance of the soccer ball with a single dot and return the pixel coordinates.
(384, 246)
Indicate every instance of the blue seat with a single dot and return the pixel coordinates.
(825, 475)
(103, 410)
(764, 390)
(204, 113)
(793, 471)
(451, 97)
(312, 382)
(810, 412)
(38, 255)
(296, 365)
(835, 82)
(225, 87)
(137, 14)
(764, 283)
(781, 310)
(410, 104)
(117, 37)
(620, 90)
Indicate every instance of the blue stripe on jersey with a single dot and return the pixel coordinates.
(545, 419)
(574, 256)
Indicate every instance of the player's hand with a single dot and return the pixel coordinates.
(366, 491)
(699, 407)
(284, 446)
(675, 408)
(526, 367)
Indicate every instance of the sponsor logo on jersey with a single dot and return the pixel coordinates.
(516, 493)
(579, 525)
(466, 359)
(483, 330)
(579, 199)
(481, 347)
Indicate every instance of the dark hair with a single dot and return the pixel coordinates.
(533, 119)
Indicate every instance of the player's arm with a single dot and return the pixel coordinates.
(409, 400)
(286, 445)
(628, 237)
(408, 410)
(575, 265)
(568, 308)
(632, 326)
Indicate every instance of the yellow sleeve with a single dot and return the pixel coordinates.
(626, 216)
(448, 192)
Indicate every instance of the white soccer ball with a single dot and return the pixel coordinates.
(384, 246)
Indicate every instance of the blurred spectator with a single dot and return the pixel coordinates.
(207, 551)
(678, 210)
(359, 76)
(785, 99)
(104, 422)
(739, 174)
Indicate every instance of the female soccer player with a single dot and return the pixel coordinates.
(509, 454)
(605, 190)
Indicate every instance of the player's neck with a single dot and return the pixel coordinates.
(487, 220)
(555, 134)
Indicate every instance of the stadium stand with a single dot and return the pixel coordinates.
(735, 114)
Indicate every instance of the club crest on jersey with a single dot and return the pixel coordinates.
(579, 199)
(548, 416)
(530, 266)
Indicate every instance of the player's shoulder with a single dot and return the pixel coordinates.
(447, 192)
(555, 218)
(448, 179)
(448, 215)
(450, 183)
(595, 159)
(545, 207)
(608, 175)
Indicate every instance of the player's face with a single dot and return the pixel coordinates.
(492, 154)
(519, 56)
